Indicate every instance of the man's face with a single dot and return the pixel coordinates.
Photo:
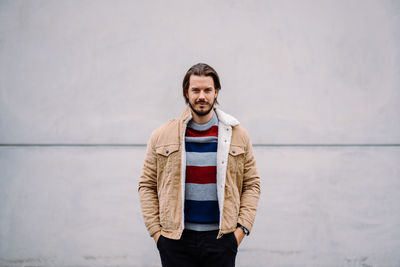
(201, 94)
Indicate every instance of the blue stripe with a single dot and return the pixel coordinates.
(201, 211)
(201, 147)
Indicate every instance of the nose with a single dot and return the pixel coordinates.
(202, 95)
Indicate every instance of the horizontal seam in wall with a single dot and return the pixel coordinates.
(143, 145)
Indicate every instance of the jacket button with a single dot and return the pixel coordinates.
(233, 151)
(167, 151)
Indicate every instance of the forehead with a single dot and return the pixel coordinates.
(201, 81)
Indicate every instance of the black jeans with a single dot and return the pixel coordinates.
(196, 249)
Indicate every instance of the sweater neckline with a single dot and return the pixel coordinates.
(205, 126)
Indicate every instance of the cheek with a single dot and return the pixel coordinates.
(192, 99)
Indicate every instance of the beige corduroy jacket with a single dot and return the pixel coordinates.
(162, 181)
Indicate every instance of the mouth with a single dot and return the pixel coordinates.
(202, 103)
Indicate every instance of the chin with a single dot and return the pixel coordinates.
(203, 112)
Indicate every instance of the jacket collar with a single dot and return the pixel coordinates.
(222, 116)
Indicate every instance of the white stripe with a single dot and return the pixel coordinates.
(201, 192)
(201, 159)
(202, 139)
(201, 226)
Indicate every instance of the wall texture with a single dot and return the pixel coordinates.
(83, 84)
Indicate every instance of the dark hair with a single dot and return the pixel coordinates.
(200, 69)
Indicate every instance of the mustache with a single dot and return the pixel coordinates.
(201, 102)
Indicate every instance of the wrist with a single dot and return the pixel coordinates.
(244, 229)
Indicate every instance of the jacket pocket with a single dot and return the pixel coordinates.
(166, 156)
(234, 178)
(168, 180)
(166, 150)
(236, 161)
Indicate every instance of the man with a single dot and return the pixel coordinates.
(199, 186)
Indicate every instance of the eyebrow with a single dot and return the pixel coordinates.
(198, 88)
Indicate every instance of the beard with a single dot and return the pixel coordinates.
(202, 112)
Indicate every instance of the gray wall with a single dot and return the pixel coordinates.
(83, 84)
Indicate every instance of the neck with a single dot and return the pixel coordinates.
(202, 119)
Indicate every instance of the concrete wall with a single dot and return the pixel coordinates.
(83, 84)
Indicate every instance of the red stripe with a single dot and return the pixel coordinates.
(201, 175)
(213, 131)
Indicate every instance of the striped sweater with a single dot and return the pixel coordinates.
(201, 201)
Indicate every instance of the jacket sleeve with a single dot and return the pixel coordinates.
(251, 189)
(148, 189)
